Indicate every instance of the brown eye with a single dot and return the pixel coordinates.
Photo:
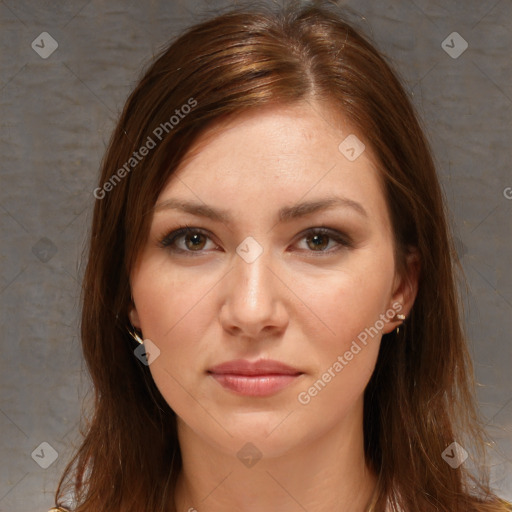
(319, 239)
(194, 240)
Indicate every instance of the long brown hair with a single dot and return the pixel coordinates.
(421, 396)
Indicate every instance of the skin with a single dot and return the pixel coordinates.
(294, 303)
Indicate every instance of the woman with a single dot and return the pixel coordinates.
(270, 316)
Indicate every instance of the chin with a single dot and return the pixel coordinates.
(268, 433)
(273, 445)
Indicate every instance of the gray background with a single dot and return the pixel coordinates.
(56, 117)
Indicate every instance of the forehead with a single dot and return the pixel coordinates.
(276, 135)
(275, 156)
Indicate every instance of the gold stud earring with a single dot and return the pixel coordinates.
(399, 316)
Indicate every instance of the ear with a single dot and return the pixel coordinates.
(133, 315)
(405, 288)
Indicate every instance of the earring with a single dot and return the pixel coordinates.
(399, 316)
(134, 334)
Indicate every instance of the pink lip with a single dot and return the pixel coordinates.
(259, 378)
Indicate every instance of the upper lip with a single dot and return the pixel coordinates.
(259, 367)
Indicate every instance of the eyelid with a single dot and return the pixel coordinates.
(180, 231)
(342, 239)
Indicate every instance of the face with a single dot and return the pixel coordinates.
(268, 312)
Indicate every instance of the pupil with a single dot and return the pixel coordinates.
(195, 240)
(318, 238)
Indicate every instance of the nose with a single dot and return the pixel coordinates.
(254, 300)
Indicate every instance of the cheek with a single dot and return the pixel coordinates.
(168, 298)
(173, 315)
(346, 353)
(172, 308)
(350, 301)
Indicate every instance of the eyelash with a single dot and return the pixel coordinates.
(168, 240)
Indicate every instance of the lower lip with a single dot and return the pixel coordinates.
(254, 385)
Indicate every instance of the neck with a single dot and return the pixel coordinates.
(325, 473)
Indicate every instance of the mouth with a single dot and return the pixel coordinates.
(258, 378)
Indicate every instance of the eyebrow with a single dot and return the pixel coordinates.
(285, 214)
